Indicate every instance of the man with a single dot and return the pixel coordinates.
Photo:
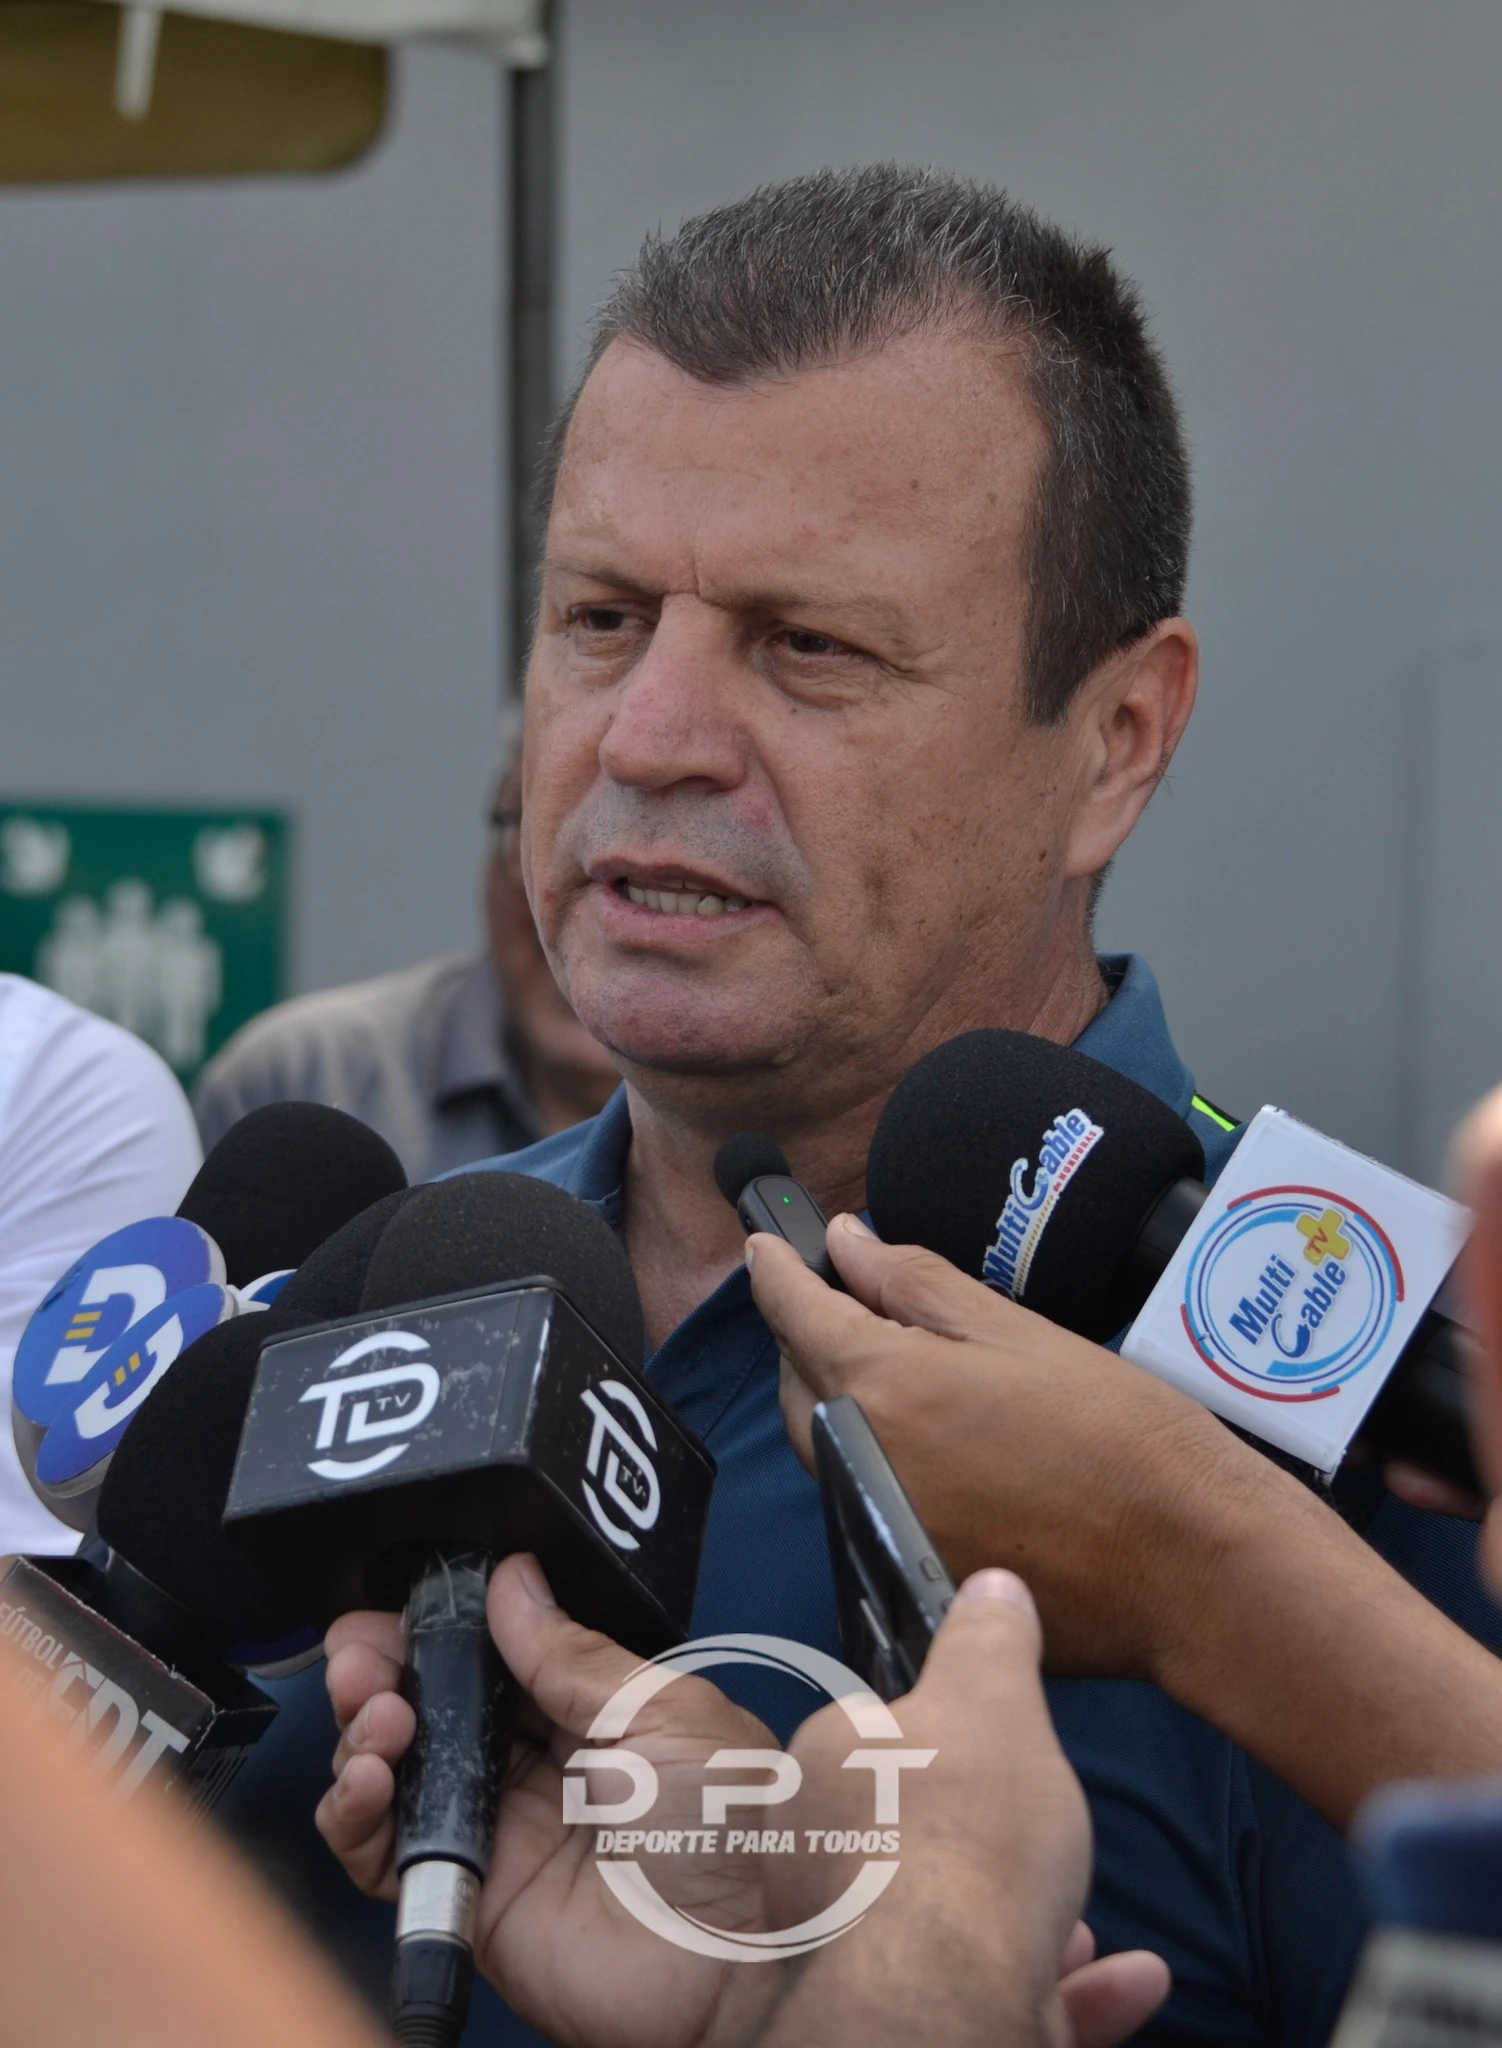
(95, 1133)
(450, 1060)
(858, 657)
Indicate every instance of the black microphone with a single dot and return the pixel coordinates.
(753, 1175)
(143, 1637)
(282, 1180)
(487, 1400)
(1067, 1186)
(331, 1280)
(271, 1191)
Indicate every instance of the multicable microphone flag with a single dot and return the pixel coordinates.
(1285, 1298)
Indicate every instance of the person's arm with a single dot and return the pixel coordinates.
(95, 1133)
(1158, 1544)
(132, 1926)
(973, 1932)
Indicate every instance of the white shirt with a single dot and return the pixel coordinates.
(94, 1133)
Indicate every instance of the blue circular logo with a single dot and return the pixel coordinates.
(1292, 1293)
(84, 1437)
(122, 1278)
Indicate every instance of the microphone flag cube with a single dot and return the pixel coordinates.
(495, 1420)
(188, 1725)
(1291, 1297)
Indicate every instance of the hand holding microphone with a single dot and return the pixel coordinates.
(1157, 1543)
(487, 1399)
(994, 1845)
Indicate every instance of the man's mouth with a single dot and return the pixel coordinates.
(678, 897)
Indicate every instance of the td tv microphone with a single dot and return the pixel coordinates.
(489, 1399)
(140, 1642)
(274, 1187)
(1294, 1298)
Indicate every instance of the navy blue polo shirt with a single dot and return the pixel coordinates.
(1200, 1854)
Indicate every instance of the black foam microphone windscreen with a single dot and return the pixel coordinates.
(1029, 1165)
(163, 1497)
(479, 1229)
(329, 1282)
(282, 1179)
(746, 1157)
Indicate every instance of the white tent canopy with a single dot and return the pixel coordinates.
(512, 29)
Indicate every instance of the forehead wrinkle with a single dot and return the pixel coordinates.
(725, 594)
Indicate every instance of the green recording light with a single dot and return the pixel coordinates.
(787, 1198)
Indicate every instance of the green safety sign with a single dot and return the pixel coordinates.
(173, 923)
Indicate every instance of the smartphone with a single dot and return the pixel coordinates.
(891, 1586)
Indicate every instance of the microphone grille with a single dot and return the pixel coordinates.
(746, 1157)
(1028, 1165)
(485, 1229)
(282, 1179)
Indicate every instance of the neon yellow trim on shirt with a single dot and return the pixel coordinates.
(1198, 1102)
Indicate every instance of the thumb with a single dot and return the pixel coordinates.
(1108, 2000)
(825, 1336)
(987, 1653)
(911, 1286)
(569, 1670)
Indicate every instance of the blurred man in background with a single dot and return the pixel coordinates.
(452, 1060)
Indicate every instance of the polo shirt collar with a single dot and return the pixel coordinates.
(472, 1057)
(597, 1172)
(1131, 1033)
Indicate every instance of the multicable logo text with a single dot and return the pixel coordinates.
(1067, 1144)
(1292, 1293)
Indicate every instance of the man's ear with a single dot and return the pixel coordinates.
(1128, 716)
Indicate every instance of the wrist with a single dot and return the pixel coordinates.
(937, 1975)
(1220, 1515)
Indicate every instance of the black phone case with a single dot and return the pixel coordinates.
(890, 1583)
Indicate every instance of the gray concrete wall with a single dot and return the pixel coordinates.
(249, 509)
(1310, 192)
(249, 530)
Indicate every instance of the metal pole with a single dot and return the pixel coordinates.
(531, 395)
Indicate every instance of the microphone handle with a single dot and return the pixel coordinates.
(1422, 1414)
(448, 1790)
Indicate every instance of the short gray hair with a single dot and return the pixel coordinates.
(837, 264)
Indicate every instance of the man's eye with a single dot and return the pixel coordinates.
(599, 618)
(800, 642)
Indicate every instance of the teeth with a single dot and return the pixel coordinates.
(682, 902)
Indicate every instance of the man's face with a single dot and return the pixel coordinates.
(776, 686)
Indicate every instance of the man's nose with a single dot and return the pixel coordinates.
(678, 713)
